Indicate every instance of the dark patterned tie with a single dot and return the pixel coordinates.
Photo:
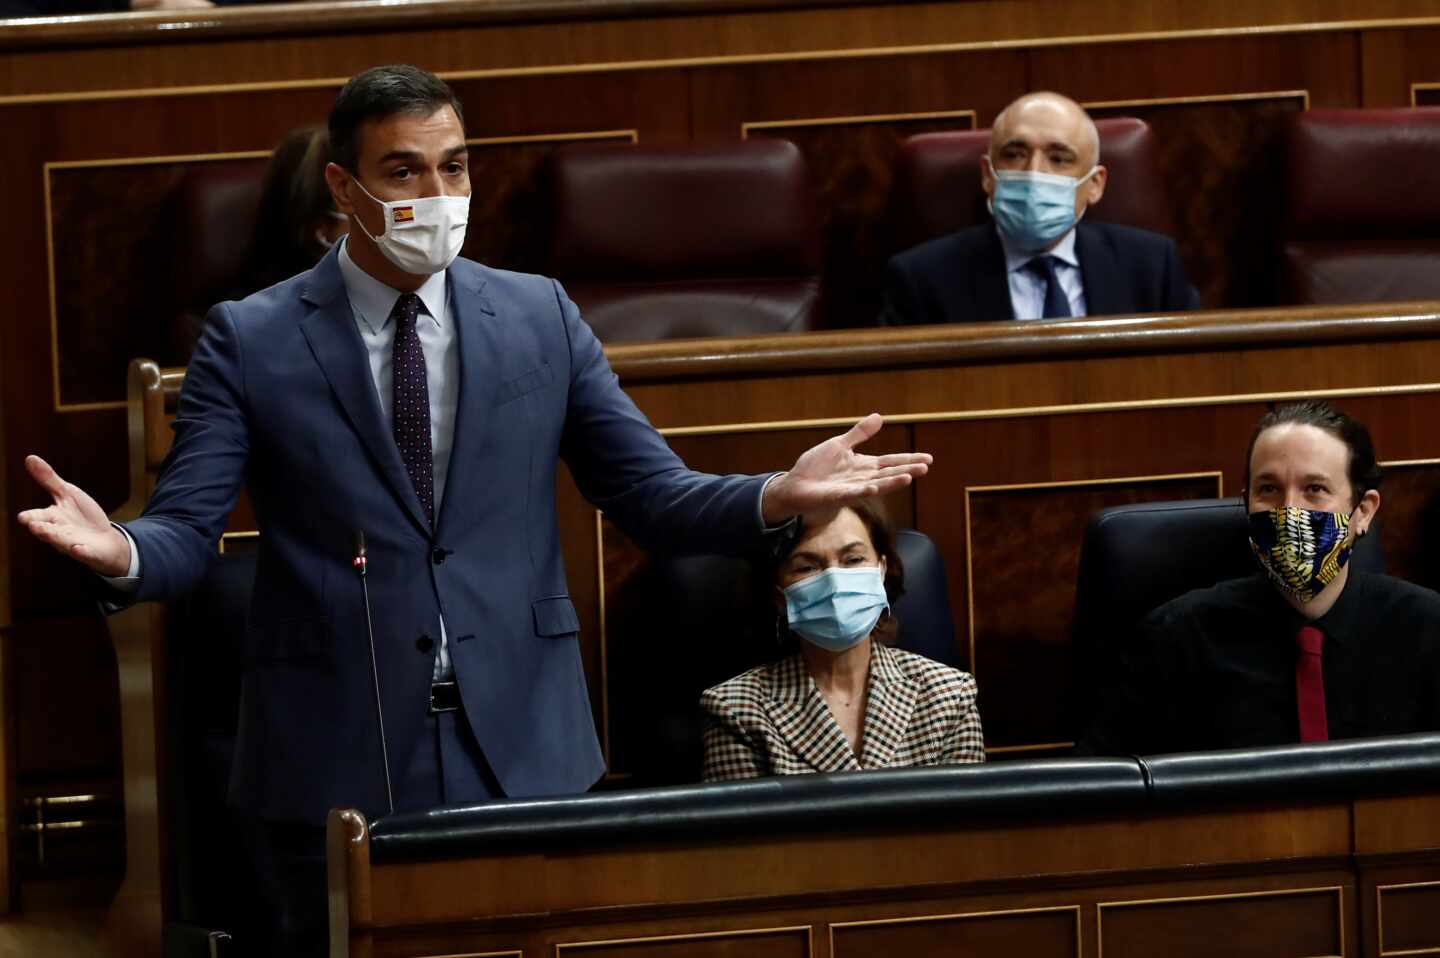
(411, 407)
(1057, 304)
(1310, 685)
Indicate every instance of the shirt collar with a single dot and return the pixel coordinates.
(1064, 251)
(1341, 622)
(372, 301)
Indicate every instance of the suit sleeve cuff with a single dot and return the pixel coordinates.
(130, 581)
(778, 539)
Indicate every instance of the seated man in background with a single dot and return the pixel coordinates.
(840, 699)
(1306, 650)
(1034, 262)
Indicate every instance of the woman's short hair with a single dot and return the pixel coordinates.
(882, 538)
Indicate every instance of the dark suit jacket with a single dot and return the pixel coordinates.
(961, 278)
(279, 396)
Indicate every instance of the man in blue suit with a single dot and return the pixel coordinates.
(1039, 259)
(424, 400)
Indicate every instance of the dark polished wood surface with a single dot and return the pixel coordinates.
(1294, 878)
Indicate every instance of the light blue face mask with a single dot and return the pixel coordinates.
(837, 608)
(1033, 210)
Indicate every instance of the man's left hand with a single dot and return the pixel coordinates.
(833, 474)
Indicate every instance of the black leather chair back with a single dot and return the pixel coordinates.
(1136, 558)
(703, 622)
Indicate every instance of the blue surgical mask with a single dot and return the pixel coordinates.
(838, 607)
(1033, 210)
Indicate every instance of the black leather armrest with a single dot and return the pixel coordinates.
(1350, 768)
(786, 804)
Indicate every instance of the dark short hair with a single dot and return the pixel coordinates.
(382, 92)
(882, 537)
(1363, 471)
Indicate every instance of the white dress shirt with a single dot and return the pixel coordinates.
(1027, 290)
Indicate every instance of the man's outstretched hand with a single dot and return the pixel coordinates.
(75, 524)
(833, 474)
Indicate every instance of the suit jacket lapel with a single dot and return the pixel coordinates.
(887, 712)
(804, 721)
(475, 332)
(329, 327)
(1099, 274)
(992, 283)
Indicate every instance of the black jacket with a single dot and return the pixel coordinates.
(961, 278)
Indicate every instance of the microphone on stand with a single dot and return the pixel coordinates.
(361, 562)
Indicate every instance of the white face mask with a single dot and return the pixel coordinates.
(421, 236)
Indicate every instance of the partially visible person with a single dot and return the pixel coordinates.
(297, 222)
(1305, 650)
(842, 699)
(1038, 259)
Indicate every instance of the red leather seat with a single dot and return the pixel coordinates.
(1362, 217)
(668, 242)
(937, 182)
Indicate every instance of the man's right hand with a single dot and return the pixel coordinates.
(75, 524)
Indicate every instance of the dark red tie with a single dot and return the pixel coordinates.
(1310, 686)
(411, 403)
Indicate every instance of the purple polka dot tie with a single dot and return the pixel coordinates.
(411, 408)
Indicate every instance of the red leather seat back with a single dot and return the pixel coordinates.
(665, 242)
(1362, 217)
(937, 182)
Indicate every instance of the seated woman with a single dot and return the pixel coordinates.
(843, 699)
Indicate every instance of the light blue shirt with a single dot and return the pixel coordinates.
(1027, 290)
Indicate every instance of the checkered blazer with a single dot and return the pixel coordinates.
(773, 721)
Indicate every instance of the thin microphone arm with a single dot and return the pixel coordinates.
(361, 563)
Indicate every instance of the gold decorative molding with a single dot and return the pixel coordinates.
(854, 120)
(632, 135)
(227, 536)
(962, 916)
(691, 936)
(1302, 95)
(58, 405)
(1337, 890)
(1380, 917)
(727, 60)
(1016, 412)
(1415, 89)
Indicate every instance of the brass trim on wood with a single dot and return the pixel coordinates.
(723, 60)
(691, 936)
(1060, 484)
(224, 536)
(1380, 899)
(859, 119)
(58, 405)
(1302, 95)
(1016, 412)
(915, 919)
(632, 135)
(1338, 890)
(1415, 89)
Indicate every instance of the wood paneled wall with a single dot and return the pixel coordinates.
(104, 118)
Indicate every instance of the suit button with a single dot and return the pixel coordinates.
(424, 643)
(438, 556)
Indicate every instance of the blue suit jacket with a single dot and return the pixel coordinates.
(961, 278)
(279, 396)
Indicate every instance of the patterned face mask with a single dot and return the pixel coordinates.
(1302, 550)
